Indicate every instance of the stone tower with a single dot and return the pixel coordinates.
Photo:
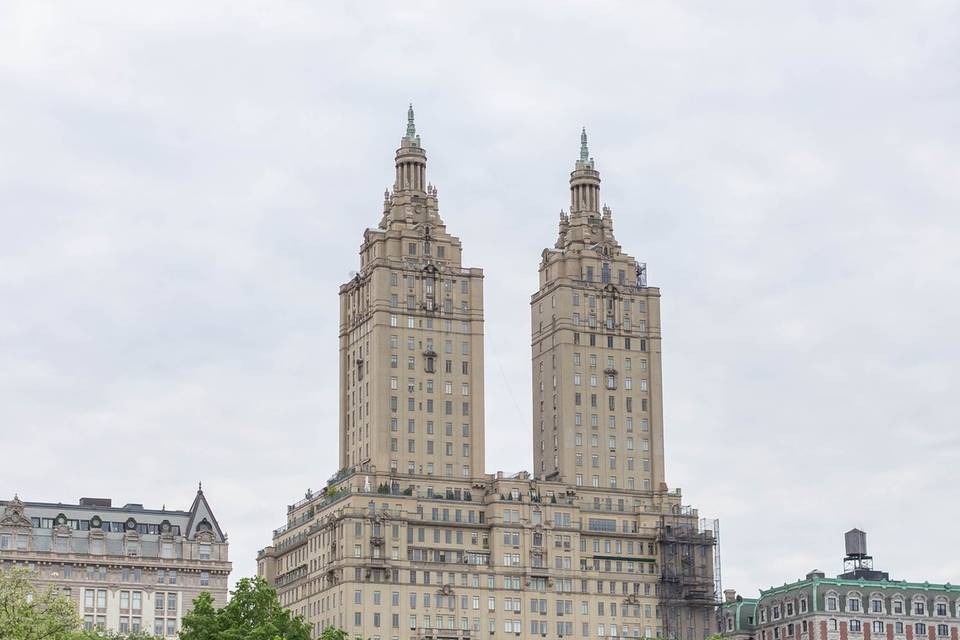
(595, 330)
(411, 539)
(411, 339)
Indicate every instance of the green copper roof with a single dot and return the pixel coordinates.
(411, 127)
(875, 584)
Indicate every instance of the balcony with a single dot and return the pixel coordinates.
(424, 633)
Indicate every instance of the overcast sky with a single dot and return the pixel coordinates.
(184, 186)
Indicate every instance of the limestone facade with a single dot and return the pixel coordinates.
(597, 382)
(411, 339)
(411, 539)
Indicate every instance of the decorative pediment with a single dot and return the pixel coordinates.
(202, 519)
(13, 515)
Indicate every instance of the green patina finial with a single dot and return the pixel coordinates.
(584, 152)
(411, 128)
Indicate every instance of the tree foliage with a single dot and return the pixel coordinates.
(28, 612)
(332, 633)
(253, 613)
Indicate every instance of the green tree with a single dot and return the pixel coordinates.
(30, 613)
(253, 613)
(332, 633)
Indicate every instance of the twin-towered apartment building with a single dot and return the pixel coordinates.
(411, 538)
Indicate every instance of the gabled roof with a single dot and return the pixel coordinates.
(201, 512)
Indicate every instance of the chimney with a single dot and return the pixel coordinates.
(95, 502)
(729, 595)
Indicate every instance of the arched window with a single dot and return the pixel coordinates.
(918, 606)
(940, 607)
(897, 605)
(832, 624)
(854, 601)
(832, 601)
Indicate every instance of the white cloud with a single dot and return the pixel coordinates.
(183, 187)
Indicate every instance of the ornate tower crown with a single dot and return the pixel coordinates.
(411, 161)
(584, 182)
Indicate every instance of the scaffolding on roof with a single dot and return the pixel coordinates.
(690, 584)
